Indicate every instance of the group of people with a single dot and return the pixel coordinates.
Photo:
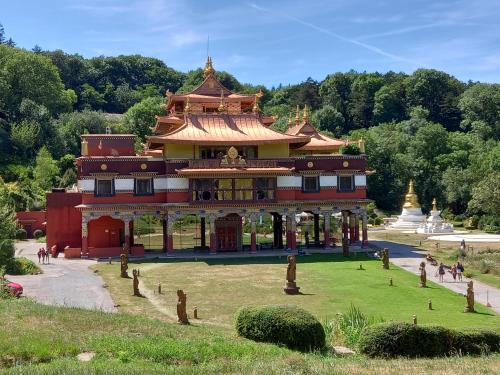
(456, 271)
(43, 255)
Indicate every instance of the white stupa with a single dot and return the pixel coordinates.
(412, 217)
(434, 223)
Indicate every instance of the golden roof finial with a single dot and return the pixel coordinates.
(209, 69)
(222, 106)
(297, 115)
(290, 120)
(187, 107)
(306, 114)
(361, 145)
(434, 205)
(256, 108)
(411, 199)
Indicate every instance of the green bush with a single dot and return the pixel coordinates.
(38, 234)
(408, 340)
(285, 325)
(22, 266)
(350, 150)
(21, 234)
(377, 221)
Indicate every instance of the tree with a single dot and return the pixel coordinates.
(437, 92)
(37, 49)
(480, 106)
(486, 196)
(32, 76)
(24, 136)
(2, 34)
(194, 78)
(389, 103)
(90, 98)
(335, 90)
(329, 119)
(141, 116)
(46, 170)
(68, 179)
(361, 102)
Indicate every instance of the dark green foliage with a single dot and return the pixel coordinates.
(350, 149)
(21, 266)
(21, 234)
(390, 340)
(38, 234)
(286, 325)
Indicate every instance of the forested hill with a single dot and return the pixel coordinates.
(427, 125)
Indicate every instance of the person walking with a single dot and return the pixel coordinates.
(39, 255)
(441, 272)
(454, 272)
(460, 270)
(42, 251)
(47, 255)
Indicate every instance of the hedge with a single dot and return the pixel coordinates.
(38, 234)
(21, 234)
(284, 325)
(390, 340)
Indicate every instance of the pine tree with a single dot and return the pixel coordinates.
(2, 34)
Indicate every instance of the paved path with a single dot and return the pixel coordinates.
(409, 258)
(63, 282)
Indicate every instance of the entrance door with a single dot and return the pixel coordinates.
(226, 238)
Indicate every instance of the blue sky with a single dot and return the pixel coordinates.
(272, 42)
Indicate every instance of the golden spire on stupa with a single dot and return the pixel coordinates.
(209, 68)
(306, 113)
(434, 205)
(297, 115)
(256, 108)
(411, 199)
(290, 119)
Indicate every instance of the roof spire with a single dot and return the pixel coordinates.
(297, 115)
(222, 106)
(187, 107)
(306, 114)
(256, 108)
(290, 120)
(209, 69)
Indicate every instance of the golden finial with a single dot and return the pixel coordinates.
(411, 199)
(361, 145)
(209, 69)
(222, 106)
(187, 107)
(290, 120)
(256, 108)
(85, 147)
(434, 205)
(297, 115)
(306, 114)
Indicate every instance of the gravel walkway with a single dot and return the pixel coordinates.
(408, 258)
(63, 282)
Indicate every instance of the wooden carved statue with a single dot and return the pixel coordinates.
(135, 273)
(423, 275)
(470, 297)
(385, 258)
(123, 265)
(181, 307)
(290, 286)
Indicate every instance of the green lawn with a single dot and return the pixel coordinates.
(330, 284)
(39, 339)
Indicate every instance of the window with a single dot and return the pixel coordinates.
(143, 186)
(202, 189)
(264, 188)
(223, 189)
(345, 183)
(243, 189)
(310, 184)
(104, 187)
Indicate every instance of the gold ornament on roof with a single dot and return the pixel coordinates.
(297, 115)
(361, 145)
(222, 106)
(85, 147)
(209, 69)
(434, 205)
(411, 199)
(232, 152)
(306, 114)
(290, 120)
(187, 107)
(256, 108)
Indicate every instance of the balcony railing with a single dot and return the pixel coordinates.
(217, 163)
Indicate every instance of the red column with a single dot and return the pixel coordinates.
(85, 244)
(351, 228)
(356, 227)
(364, 226)
(213, 240)
(126, 230)
(293, 233)
(345, 226)
(326, 231)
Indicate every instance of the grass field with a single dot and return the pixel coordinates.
(38, 339)
(329, 283)
(482, 262)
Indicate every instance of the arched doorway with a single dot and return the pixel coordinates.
(228, 233)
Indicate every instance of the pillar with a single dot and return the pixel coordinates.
(203, 239)
(345, 233)
(351, 227)
(316, 229)
(85, 243)
(364, 229)
(326, 231)
(356, 228)
(291, 232)
(277, 231)
(253, 233)
(126, 232)
(168, 240)
(132, 242)
(213, 241)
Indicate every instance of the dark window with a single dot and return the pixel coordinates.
(345, 183)
(202, 189)
(105, 188)
(310, 184)
(264, 188)
(143, 186)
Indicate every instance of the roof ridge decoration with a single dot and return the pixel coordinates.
(209, 68)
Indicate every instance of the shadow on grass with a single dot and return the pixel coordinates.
(279, 259)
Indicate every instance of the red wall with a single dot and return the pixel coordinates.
(324, 194)
(105, 232)
(35, 219)
(64, 221)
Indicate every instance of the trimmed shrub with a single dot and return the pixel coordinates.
(21, 234)
(408, 340)
(38, 234)
(285, 325)
(22, 266)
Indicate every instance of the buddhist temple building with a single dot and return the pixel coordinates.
(214, 156)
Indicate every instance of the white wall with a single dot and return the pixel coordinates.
(289, 181)
(171, 183)
(124, 184)
(86, 185)
(359, 180)
(328, 181)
